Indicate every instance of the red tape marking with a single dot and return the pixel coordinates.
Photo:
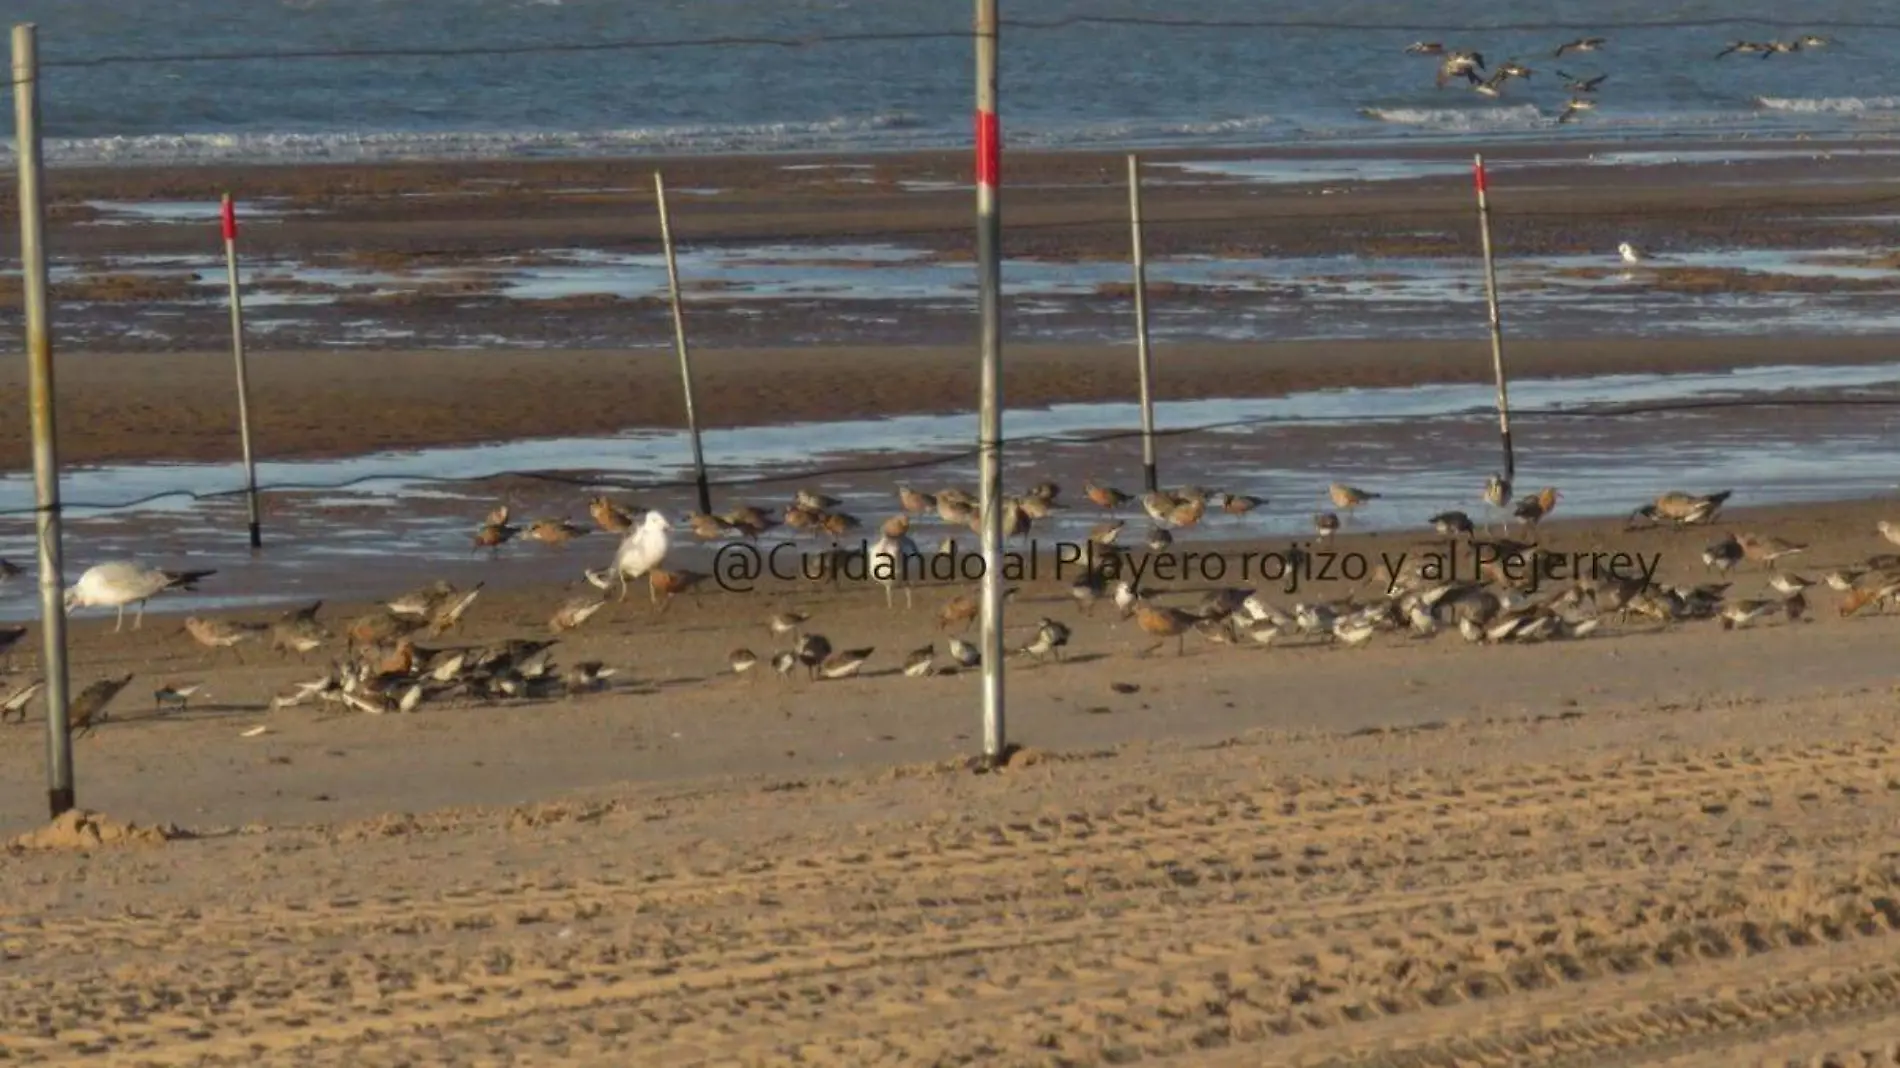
(230, 220)
(989, 149)
(1477, 172)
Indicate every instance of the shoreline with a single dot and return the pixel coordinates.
(181, 407)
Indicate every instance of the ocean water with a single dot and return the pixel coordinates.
(1295, 72)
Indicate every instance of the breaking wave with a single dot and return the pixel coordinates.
(1815, 105)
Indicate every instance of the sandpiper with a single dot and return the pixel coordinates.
(1581, 44)
(10, 637)
(1723, 555)
(959, 612)
(1747, 48)
(1158, 540)
(609, 516)
(966, 655)
(706, 527)
(1051, 636)
(1240, 503)
(1105, 533)
(497, 516)
(914, 502)
(588, 676)
(1788, 584)
(1451, 524)
(1497, 492)
(921, 662)
(844, 663)
(1889, 530)
(1531, 510)
(1842, 579)
(421, 603)
(1347, 498)
(1574, 107)
(448, 615)
(663, 585)
(176, 693)
(1326, 524)
(1742, 613)
(811, 650)
(297, 631)
(749, 521)
(215, 634)
(88, 710)
(118, 583)
(574, 612)
(14, 706)
(492, 536)
(741, 660)
(641, 550)
(1767, 550)
(1165, 622)
(838, 524)
(1104, 496)
(1088, 589)
(555, 531)
(784, 663)
(1046, 492)
(1576, 84)
(1352, 632)
(1684, 509)
(815, 501)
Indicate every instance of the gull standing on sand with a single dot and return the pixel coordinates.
(642, 550)
(117, 583)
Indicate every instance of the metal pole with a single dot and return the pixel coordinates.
(1497, 329)
(679, 343)
(39, 356)
(243, 380)
(1141, 324)
(989, 274)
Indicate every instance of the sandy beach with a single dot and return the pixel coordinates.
(1660, 843)
(1656, 842)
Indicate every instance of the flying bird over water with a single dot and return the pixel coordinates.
(1581, 44)
(1574, 107)
(1576, 84)
(1464, 65)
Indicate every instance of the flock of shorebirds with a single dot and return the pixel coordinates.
(384, 668)
(1468, 64)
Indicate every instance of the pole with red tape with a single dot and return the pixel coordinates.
(989, 274)
(243, 379)
(1497, 329)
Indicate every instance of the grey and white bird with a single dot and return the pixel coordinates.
(14, 706)
(1581, 44)
(179, 694)
(1577, 84)
(921, 662)
(966, 655)
(117, 583)
(1574, 107)
(1051, 637)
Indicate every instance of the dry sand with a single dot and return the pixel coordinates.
(1651, 845)
(181, 406)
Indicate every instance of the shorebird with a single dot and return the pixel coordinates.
(423, 602)
(16, 702)
(1782, 48)
(1531, 510)
(1158, 540)
(1631, 254)
(741, 660)
(1425, 48)
(554, 531)
(1452, 524)
(815, 501)
(1347, 498)
(1165, 622)
(1723, 555)
(921, 662)
(1748, 48)
(175, 693)
(959, 612)
(1742, 613)
(1492, 86)
(1104, 496)
(297, 631)
(1581, 44)
(609, 516)
(574, 612)
(1576, 84)
(1842, 579)
(1683, 509)
(89, 708)
(1889, 531)
(1574, 107)
(1788, 584)
(844, 663)
(1051, 636)
(1353, 632)
(706, 527)
(1497, 492)
(1767, 549)
(812, 650)
(1326, 524)
(492, 536)
(448, 615)
(1104, 534)
(663, 585)
(914, 502)
(1812, 40)
(1046, 492)
(786, 622)
(641, 550)
(749, 521)
(1514, 69)
(588, 676)
(966, 655)
(118, 583)
(1238, 504)
(784, 663)
(1460, 65)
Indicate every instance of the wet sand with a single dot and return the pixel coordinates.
(1649, 841)
(182, 406)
